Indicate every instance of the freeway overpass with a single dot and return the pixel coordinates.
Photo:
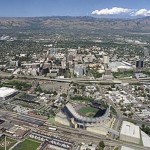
(79, 80)
(69, 80)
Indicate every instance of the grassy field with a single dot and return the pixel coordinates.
(27, 144)
(88, 111)
(9, 143)
(123, 74)
(52, 120)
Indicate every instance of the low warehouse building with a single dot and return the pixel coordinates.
(126, 148)
(130, 132)
(6, 93)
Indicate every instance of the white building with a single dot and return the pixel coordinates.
(88, 147)
(105, 59)
(130, 132)
(6, 93)
(145, 139)
(116, 66)
(90, 88)
(20, 109)
(126, 148)
(80, 70)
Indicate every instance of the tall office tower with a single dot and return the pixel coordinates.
(139, 65)
(146, 52)
(67, 63)
(80, 70)
(106, 61)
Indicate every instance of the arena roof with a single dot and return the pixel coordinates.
(126, 148)
(114, 66)
(129, 129)
(145, 139)
(4, 91)
(86, 119)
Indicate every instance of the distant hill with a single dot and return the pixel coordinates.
(76, 24)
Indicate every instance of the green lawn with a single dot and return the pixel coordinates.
(52, 120)
(88, 111)
(123, 74)
(27, 144)
(10, 142)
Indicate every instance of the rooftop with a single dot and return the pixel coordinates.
(126, 148)
(129, 129)
(145, 139)
(4, 91)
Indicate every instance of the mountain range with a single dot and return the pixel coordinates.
(76, 24)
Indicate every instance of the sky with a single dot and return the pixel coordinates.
(97, 8)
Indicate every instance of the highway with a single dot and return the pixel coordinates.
(67, 80)
(79, 80)
(137, 121)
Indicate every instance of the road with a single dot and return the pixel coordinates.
(137, 121)
(68, 80)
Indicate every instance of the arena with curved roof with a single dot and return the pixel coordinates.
(71, 112)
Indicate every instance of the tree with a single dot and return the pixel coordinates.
(83, 87)
(38, 89)
(101, 145)
(110, 89)
(143, 126)
(112, 85)
(55, 93)
(64, 95)
(75, 90)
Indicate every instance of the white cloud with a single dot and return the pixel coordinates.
(112, 11)
(142, 12)
(121, 11)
